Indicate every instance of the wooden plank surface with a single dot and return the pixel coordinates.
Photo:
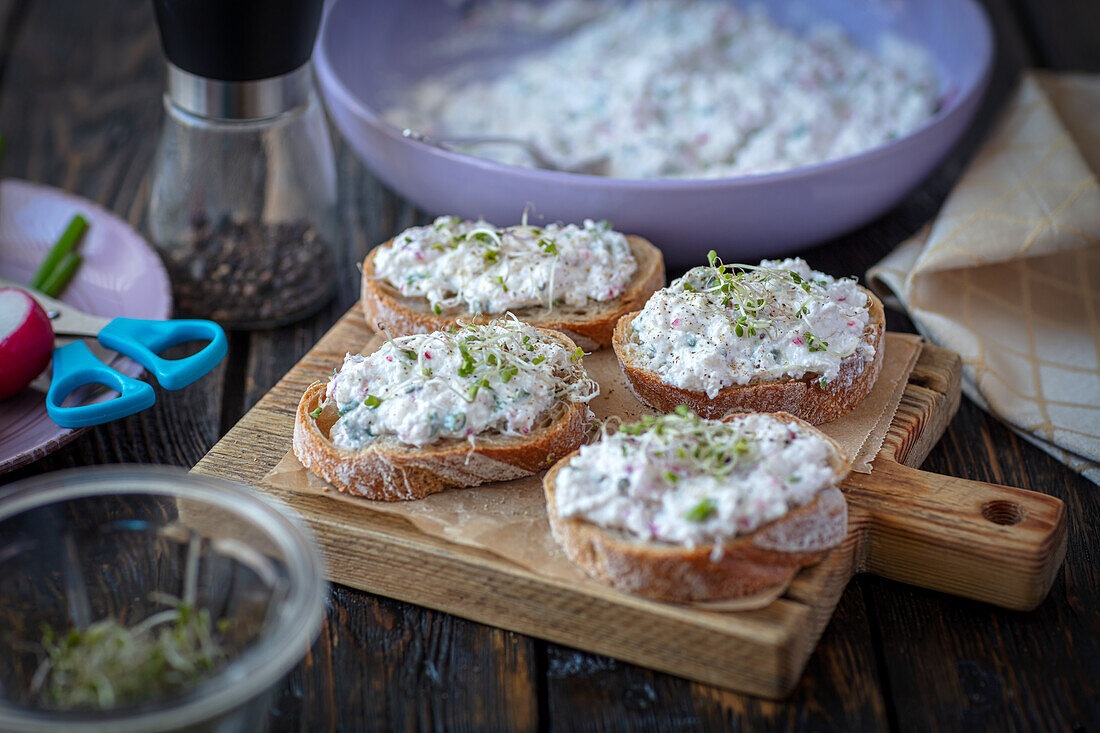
(893, 657)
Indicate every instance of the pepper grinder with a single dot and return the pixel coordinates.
(243, 201)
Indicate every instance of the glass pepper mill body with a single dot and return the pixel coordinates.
(243, 201)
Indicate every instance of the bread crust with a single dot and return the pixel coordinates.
(392, 471)
(767, 557)
(801, 397)
(590, 327)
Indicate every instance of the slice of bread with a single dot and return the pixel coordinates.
(803, 397)
(389, 470)
(590, 326)
(771, 555)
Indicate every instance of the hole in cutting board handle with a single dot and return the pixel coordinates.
(1003, 512)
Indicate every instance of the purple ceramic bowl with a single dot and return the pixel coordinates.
(368, 51)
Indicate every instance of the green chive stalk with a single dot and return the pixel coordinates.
(65, 244)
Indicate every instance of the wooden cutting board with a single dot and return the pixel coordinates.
(991, 543)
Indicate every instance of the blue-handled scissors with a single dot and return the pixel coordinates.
(74, 364)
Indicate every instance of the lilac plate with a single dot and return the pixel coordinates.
(368, 51)
(121, 276)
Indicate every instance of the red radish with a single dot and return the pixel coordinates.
(26, 340)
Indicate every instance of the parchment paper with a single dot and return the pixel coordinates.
(509, 518)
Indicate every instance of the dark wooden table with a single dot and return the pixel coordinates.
(80, 104)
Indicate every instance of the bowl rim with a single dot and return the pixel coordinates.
(332, 83)
(261, 665)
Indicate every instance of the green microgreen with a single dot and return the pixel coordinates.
(107, 665)
(716, 448)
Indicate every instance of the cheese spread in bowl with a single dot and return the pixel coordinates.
(479, 268)
(689, 481)
(504, 377)
(723, 325)
(365, 68)
(679, 89)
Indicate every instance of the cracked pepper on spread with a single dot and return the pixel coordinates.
(724, 325)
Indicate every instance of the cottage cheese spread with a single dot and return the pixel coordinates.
(734, 324)
(486, 269)
(683, 88)
(688, 481)
(504, 377)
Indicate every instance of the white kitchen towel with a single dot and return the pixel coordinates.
(1008, 274)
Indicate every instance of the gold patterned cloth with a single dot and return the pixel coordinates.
(1008, 274)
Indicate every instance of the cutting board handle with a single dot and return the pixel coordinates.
(987, 542)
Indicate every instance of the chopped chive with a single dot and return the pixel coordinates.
(372, 401)
(59, 278)
(76, 228)
(317, 413)
(705, 509)
(577, 354)
(437, 309)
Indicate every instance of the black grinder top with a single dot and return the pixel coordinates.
(238, 40)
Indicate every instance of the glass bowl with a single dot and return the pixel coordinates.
(83, 545)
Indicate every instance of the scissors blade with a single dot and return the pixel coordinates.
(67, 320)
